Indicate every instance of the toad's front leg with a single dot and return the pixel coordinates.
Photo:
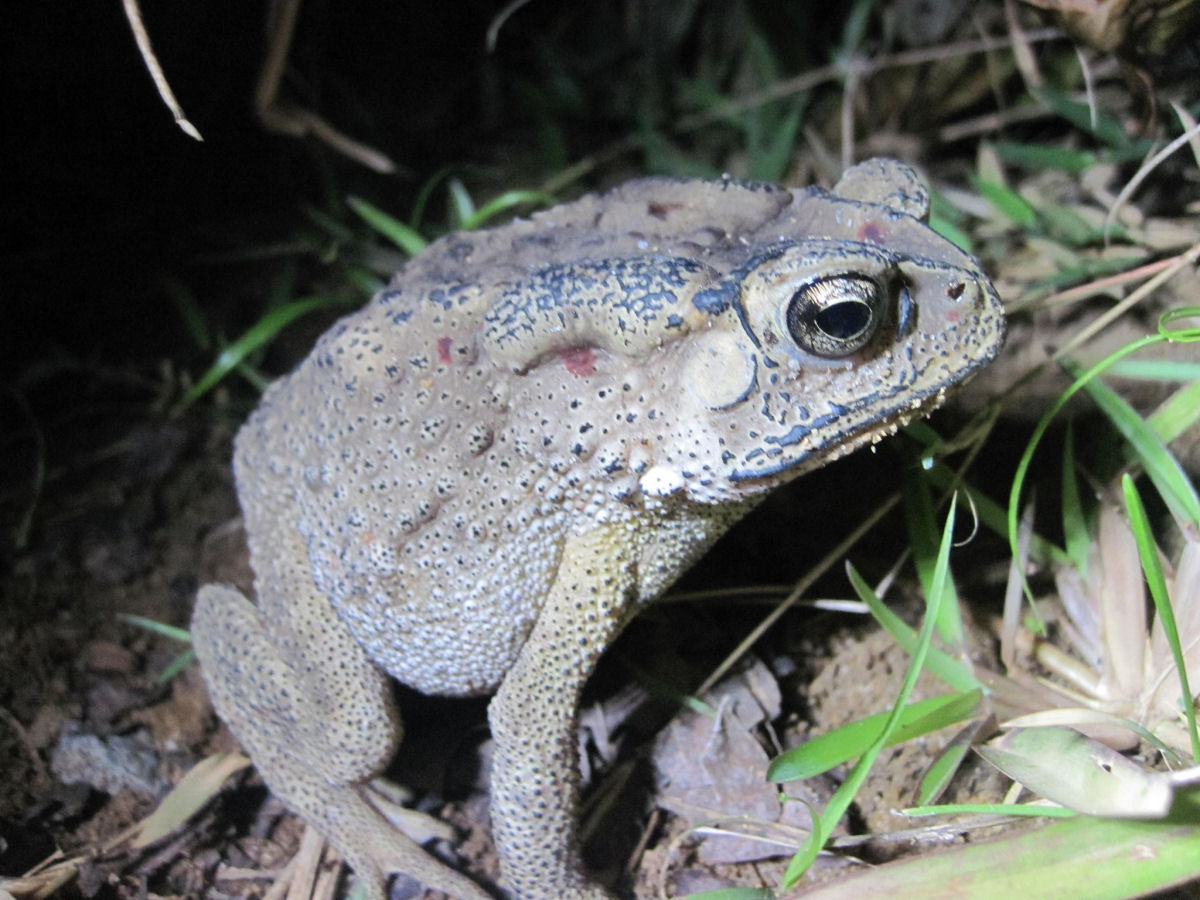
(534, 718)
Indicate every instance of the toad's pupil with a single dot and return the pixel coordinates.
(844, 320)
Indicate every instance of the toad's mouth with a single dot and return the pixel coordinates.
(846, 428)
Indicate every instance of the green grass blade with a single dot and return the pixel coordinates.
(189, 311)
(175, 666)
(1075, 529)
(1040, 157)
(462, 207)
(155, 627)
(1102, 126)
(1157, 369)
(805, 856)
(661, 155)
(1169, 479)
(835, 747)
(180, 662)
(425, 194)
(952, 671)
(921, 521)
(365, 280)
(1018, 481)
(993, 515)
(1179, 413)
(1039, 810)
(952, 232)
(506, 202)
(938, 776)
(1008, 203)
(926, 437)
(256, 336)
(407, 239)
(1083, 269)
(666, 691)
(855, 29)
(947, 220)
(1068, 227)
(1152, 568)
(332, 229)
(844, 795)
(777, 151)
(1079, 859)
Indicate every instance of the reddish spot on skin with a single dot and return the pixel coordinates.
(953, 317)
(444, 345)
(662, 210)
(579, 361)
(873, 232)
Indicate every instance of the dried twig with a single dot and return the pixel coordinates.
(134, 13)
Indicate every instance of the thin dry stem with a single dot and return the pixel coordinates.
(289, 118)
(1189, 125)
(1101, 322)
(134, 14)
(789, 87)
(1144, 171)
(807, 581)
(498, 20)
(1022, 49)
(305, 866)
(281, 27)
(1101, 285)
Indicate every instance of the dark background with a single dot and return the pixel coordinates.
(103, 196)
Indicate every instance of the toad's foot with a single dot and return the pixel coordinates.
(374, 848)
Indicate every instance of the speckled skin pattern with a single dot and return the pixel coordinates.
(474, 482)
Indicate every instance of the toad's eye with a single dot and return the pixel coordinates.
(837, 315)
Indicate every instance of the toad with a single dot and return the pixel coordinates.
(473, 483)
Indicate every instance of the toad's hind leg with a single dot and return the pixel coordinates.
(319, 722)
